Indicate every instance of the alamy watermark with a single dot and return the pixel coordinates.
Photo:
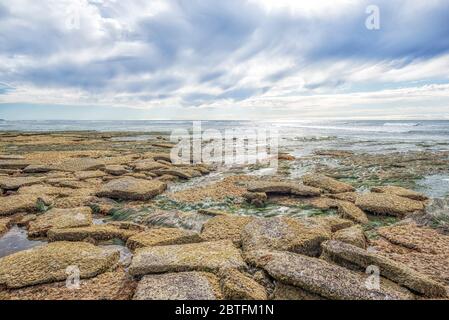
(372, 22)
(73, 278)
(229, 147)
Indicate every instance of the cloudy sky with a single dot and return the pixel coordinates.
(216, 59)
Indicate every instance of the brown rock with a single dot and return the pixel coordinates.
(322, 278)
(162, 237)
(5, 224)
(284, 291)
(17, 203)
(333, 223)
(84, 175)
(286, 156)
(345, 196)
(326, 183)
(397, 272)
(37, 168)
(237, 286)
(59, 219)
(14, 164)
(283, 233)
(435, 266)
(179, 286)
(225, 227)
(353, 235)
(116, 170)
(401, 192)
(387, 204)
(203, 256)
(116, 285)
(49, 263)
(101, 232)
(422, 239)
(13, 183)
(348, 210)
(280, 187)
(148, 165)
(256, 198)
(79, 164)
(129, 188)
(173, 172)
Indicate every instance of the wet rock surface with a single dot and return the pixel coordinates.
(353, 235)
(339, 251)
(281, 233)
(17, 203)
(280, 187)
(204, 256)
(322, 278)
(130, 188)
(188, 226)
(388, 204)
(162, 237)
(59, 219)
(179, 286)
(326, 183)
(48, 263)
(91, 233)
(225, 227)
(114, 285)
(237, 286)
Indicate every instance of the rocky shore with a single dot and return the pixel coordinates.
(135, 226)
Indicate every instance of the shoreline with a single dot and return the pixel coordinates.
(324, 210)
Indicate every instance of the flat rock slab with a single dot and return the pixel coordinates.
(333, 223)
(322, 278)
(350, 211)
(388, 204)
(353, 235)
(345, 196)
(13, 183)
(116, 169)
(411, 236)
(284, 291)
(326, 183)
(48, 263)
(45, 190)
(5, 224)
(397, 272)
(402, 192)
(184, 174)
(92, 174)
(162, 237)
(116, 285)
(17, 203)
(129, 188)
(283, 233)
(37, 168)
(11, 157)
(60, 219)
(279, 187)
(179, 286)
(148, 165)
(203, 256)
(435, 266)
(101, 232)
(238, 286)
(225, 227)
(14, 164)
(79, 164)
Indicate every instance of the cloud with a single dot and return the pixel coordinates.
(211, 55)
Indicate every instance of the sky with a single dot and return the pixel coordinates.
(233, 59)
